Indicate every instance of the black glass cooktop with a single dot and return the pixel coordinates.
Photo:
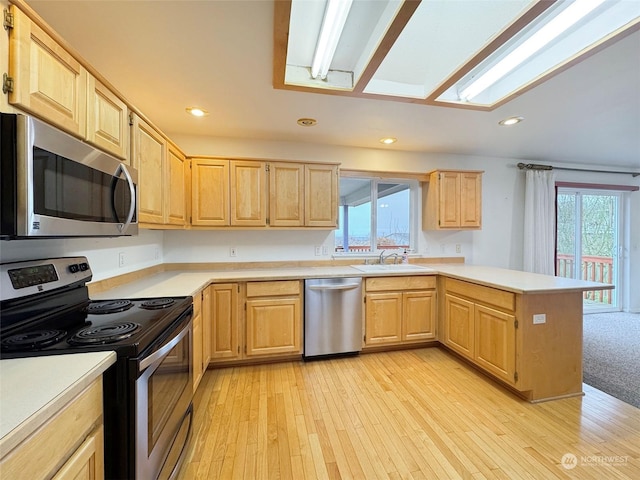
(125, 326)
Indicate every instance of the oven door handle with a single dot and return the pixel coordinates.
(164, 350)
(132, 191)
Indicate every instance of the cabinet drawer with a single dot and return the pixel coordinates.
(482, 294)
(400, 283)
(272, 289)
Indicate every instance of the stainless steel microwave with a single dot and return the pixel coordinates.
(54, 185)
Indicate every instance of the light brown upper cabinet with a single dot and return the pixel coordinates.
(256, 193)
(286, 194)
(178, 180)
(303, 195)
(48, 82)
(149, 157)
(248, 193)
(107, 120)
(452, 199)
(321, 195)
(210, 192)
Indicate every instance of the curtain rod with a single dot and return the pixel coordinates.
(536, 166)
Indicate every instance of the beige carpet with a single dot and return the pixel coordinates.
(612, 354)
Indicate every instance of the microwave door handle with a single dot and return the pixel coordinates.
(132, 191)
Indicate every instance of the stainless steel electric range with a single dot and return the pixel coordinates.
(45, 310)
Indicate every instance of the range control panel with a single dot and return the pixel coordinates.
(21, 279)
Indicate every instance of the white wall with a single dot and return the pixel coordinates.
(499, 243)
(142, 251)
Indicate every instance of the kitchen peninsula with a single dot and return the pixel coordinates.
(522, 329)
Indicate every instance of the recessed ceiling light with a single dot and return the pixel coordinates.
(307, 122)
(197, 111)
(510, 121)
(388, 140)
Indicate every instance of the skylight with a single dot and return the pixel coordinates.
(433, 51)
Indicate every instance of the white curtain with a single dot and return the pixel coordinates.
(540, 221)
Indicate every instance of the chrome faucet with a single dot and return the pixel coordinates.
(382, 258)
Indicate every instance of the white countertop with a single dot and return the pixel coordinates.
(516, 281)
(183, 282)
(33, 389)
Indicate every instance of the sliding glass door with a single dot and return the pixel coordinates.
(588, 240)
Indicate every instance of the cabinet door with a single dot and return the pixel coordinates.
(459, 325)
(209, 192)
(470, 199)
(248, 193)
(87, 462)
(495, 340)
(419, 312)
(224, 331)
(449, 199)
(149, 158)
(207, 323)
(197, 350)
(321, 195)
(383, 318)
(273, 326)
(286, 194)
(107, 120)
(48, 81)
(176, 196)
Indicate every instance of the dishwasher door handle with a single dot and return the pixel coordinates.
(345, 286)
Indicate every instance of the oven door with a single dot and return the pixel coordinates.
(164, 390)
(69, 188)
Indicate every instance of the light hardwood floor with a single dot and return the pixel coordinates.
(417, 414)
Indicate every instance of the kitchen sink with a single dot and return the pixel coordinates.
(392, 268)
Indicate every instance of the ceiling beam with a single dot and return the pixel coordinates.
(395, 29)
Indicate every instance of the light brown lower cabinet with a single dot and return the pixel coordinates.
(224, 342)
(399, 310)
(495, 330)
(483, 333)
(69, 445)
(198, 339)
(255, 320)
(273, 318)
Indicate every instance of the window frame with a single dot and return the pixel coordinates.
(413, 215)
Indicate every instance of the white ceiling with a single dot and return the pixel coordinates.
(167, 55)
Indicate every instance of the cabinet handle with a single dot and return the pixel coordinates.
(346, 286)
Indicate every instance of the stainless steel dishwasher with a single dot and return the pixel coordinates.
(332, 316)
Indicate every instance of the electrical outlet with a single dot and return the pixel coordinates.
(233, 252)
(325, 250)
(156, 254)
(318, 250)
(539, 318)
(121, 259)
(458, 248)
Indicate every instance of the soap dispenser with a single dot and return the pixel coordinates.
(405, 257)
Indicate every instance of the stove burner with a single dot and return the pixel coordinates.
(157, 303)
(104, 334)
(33, 340)
(109, 306)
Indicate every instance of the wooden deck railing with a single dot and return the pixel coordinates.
(593, 269)
(367, 248)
